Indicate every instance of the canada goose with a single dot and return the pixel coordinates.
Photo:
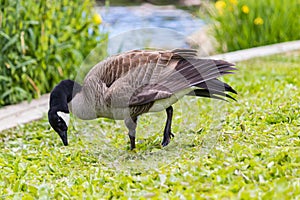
(126, 85)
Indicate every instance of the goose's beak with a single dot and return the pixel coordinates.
(64, 137)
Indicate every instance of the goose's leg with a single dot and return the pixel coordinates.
(167, 132)
(131, 125)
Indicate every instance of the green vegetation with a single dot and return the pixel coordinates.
(41, 43)
(240, 150)
(241, 24)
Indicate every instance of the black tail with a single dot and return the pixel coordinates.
(210, 94)
(213, 89)
(203, 74)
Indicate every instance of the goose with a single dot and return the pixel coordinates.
(129, 84)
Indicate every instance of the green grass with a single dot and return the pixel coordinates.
(248, 149)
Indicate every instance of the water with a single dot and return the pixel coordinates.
(147, 26)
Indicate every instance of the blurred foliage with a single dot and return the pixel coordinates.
(43, 42)
(241, 24)
(254, 153)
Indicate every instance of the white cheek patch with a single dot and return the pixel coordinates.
(64, 116)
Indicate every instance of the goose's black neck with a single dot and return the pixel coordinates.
(62, 94)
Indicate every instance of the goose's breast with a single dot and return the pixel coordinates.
(115, 113)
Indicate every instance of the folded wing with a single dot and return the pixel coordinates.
(160, 77)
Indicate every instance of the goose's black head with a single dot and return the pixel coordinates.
(59, 124)
(58, 114)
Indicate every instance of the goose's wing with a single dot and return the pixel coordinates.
(159, 78)
(187, 73)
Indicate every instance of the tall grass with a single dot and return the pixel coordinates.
(241, 24)
(42, 42)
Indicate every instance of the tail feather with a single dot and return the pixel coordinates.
(210, 94)
(192, 72)
(216, 84)
(197, 70)
(203, 74)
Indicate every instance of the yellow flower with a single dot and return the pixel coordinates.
(233, 2)
(245, 9)
(97, 19)
(258, 21)
(220, 5)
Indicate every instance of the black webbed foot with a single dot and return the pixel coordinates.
(166, 140)
(171, 135)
